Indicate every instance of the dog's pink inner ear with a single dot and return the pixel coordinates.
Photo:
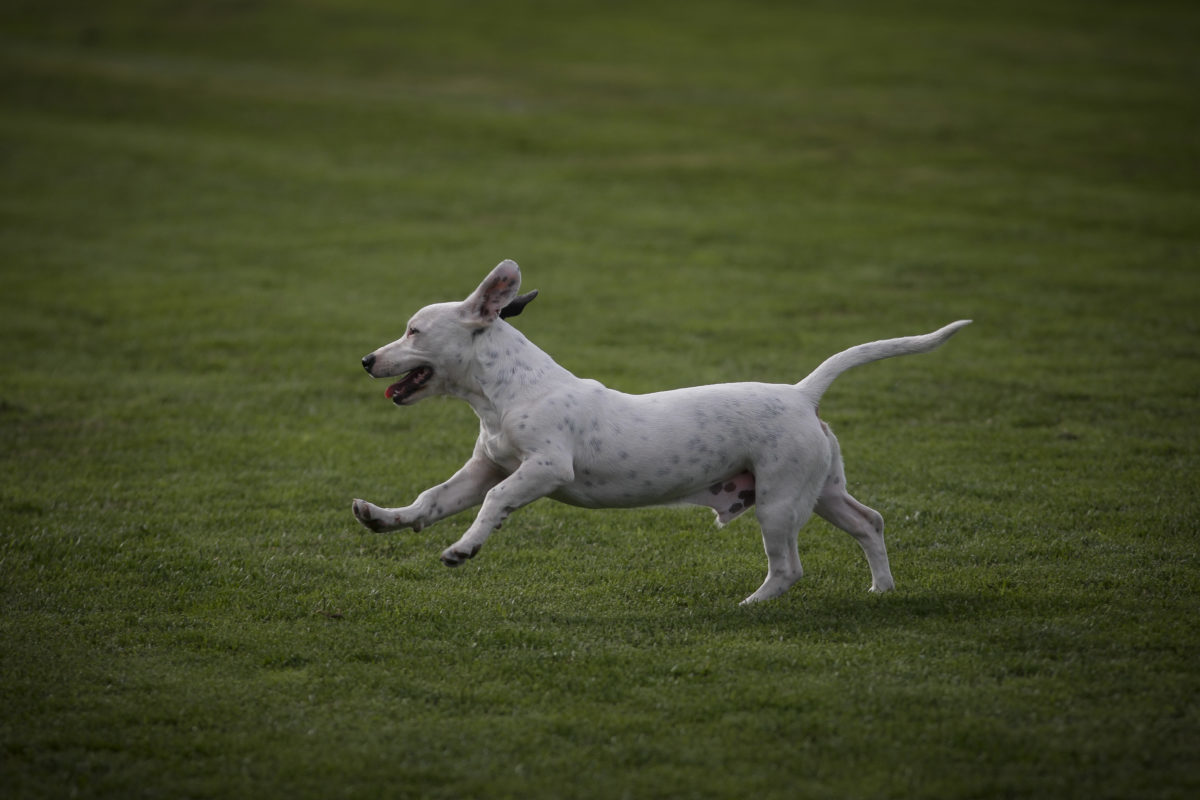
(495, 297)
(494, 294)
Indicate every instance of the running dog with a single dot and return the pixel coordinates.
(545, 433)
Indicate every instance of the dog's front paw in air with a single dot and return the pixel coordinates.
(371, 516)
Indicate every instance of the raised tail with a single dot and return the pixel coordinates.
(823, 376)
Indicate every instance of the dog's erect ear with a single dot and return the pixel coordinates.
(517, 306)
(498, 289)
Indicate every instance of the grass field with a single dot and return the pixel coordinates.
(211, 211)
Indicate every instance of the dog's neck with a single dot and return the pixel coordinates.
(506, 371)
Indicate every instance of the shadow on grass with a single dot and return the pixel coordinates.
(863, 613)
(824, 617)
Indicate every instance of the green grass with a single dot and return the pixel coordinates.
(211, 211)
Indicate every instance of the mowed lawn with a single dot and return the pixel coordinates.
(211, 211)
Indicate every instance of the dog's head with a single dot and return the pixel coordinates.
(438, 345)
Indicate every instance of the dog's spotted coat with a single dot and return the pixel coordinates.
(545, 433)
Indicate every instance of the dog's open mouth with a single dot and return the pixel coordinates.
(409, 385)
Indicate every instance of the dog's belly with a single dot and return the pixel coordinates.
(603, 496)
(729, 497)
(633, 485)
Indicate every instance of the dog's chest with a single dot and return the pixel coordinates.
(499, 448)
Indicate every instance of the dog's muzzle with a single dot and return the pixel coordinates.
(412, 381)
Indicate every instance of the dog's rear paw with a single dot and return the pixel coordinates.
(452, 557)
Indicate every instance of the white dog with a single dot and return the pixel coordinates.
(545, 433)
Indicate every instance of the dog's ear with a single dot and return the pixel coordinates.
(517, 305)
(498, 289)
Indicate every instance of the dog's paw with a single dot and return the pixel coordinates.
(371, 516)
(452, 556)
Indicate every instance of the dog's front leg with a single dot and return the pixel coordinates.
(466, 488)
(537, 477)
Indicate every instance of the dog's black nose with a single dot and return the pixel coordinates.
(368, 362)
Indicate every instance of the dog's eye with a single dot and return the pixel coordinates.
(412, 331)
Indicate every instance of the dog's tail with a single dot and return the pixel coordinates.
(823, 376)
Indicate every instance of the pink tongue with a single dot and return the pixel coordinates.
(391, 390)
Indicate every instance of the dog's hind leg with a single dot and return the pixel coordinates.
(781, 523)
(785, 496)
(866, 525)
(863, 523)
(788, 481)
